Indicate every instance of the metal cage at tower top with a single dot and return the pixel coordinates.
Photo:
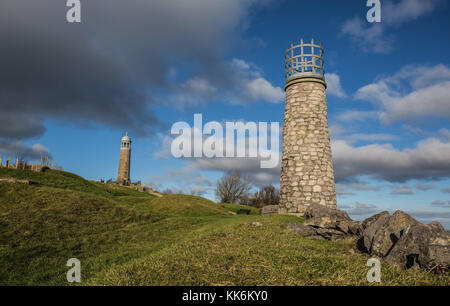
(304, 60)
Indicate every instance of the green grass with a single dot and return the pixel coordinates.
(124, 237)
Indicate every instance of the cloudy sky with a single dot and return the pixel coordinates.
(73, 90)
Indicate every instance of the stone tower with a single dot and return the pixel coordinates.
(124, 162)
(307, 171)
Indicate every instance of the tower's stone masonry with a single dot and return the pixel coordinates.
(123, 176)
(307, 171)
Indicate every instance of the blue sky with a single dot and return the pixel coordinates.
(75, 89)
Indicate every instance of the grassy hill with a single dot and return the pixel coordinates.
(125, 237)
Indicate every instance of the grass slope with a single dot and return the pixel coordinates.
(124, 237)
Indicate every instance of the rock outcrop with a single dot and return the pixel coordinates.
(384, 231)
(404, 241)
(326, 223)
(399, 239)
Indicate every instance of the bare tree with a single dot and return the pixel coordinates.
(267, 195)
(233, 187)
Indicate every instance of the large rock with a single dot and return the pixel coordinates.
(302, 230)
(399, 239)
(371, 220)
(320, 216)
(371, 226)
(326, 223)
(320, 211)
(421, 245)
(402, 240)
(382, 231)
(331, 234)
(390, 232)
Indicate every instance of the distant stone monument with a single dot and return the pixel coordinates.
(307, 171)
(123, 177)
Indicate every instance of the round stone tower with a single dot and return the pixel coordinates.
(124, 162)
(306, 171)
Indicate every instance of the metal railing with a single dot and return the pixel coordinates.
(300, 63)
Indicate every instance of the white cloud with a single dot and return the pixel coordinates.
(423, 76)
(334, 86)
(395, 13)
(360, 209)
(414, 130)
(201, 86)
(240, 64)
(429, 159)
(245, 84)
(261, 90)
(164, 148)
(336, 130)
(369, 37)
(414, 91)
(445, 133)
(40, 149)
(430, 101)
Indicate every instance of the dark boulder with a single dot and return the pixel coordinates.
(371, 226)
(402, 240)
(326, 223)
(390, 232)
(302, 230)
(399, 239)
(371, 220)
(422, 245)
(320, 216)
(331, 234)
